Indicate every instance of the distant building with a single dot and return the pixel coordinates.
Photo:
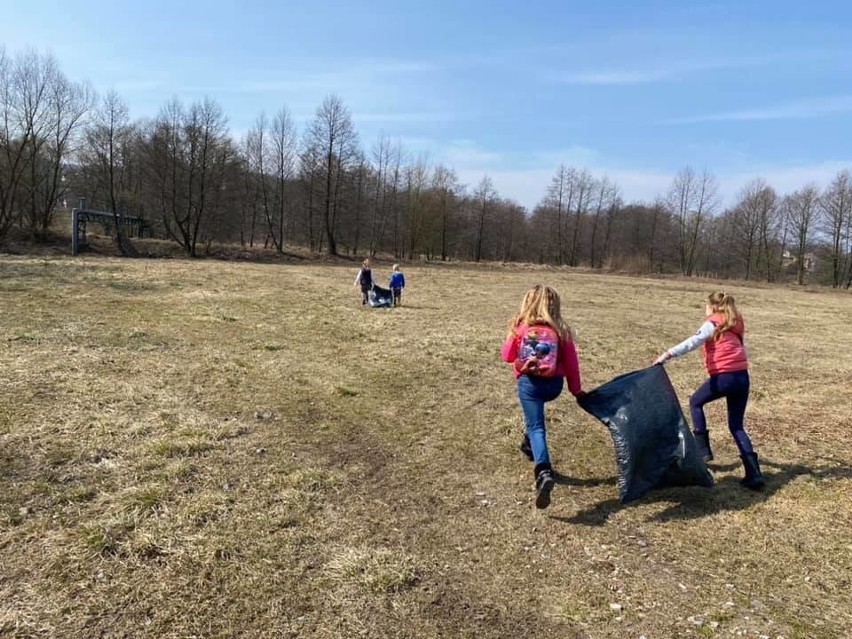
(810, 259)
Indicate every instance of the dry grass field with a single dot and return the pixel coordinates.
(211, 449)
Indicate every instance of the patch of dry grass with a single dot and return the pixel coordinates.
(208, 449)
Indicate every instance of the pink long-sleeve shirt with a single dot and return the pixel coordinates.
(567, 363)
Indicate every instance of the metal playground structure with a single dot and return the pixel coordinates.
(81, 216)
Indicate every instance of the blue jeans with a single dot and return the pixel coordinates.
(533, 392)
(734, 387)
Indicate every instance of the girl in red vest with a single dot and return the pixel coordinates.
(726, 361)
(540, 345)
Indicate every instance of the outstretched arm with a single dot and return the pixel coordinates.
(688, 345)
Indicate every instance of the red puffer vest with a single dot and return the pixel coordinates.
(728, 353)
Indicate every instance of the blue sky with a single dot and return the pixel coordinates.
(630, 89)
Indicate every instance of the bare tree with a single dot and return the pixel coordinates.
(583, 185)
(657, 217)
(612, 215)
(444, 189)
(802, 208)
(270, 150)
(188, 154)
(770, 219)
(387, 160)
(483, 198)
(249, 189)
(836, 214)
(559, 199)
(417, 177)
(360, 196)
(752, 216)
(310, 164)
(68, 105)
(106, 152)
(333, 136)
(691, 199)
(605, 197)
(25, 83)
(257, 150)
(284, 145)
(509, 221)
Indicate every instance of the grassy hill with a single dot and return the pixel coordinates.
(212, 449)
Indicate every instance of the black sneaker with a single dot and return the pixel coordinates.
(526, 449)
(544, 483)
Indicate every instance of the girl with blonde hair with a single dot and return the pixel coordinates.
(726, 361)
(540, 345)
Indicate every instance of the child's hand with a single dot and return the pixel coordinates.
(662, 358)
(580, 394)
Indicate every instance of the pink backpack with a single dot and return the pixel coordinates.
(538, 351)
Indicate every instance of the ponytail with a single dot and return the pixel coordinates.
(722, 302)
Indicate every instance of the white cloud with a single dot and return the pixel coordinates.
(525, 177)
(528, 186)
(464, 154)
(800, 109)
(619, 78)
(140, 86)
(786, 179)
(665, 72)
(401, 117)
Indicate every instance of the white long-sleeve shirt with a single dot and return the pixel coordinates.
(704, 332)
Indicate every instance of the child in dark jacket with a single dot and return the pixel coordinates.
(365, 279)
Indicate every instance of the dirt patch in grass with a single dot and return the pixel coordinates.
(219, 449)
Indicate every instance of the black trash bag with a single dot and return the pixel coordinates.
(380, 297)
(654, 447)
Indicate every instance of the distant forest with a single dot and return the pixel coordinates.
(323, 188)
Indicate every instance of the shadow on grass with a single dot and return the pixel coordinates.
(417, 307)
(694, 502)
(565, 480)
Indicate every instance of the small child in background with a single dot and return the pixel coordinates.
(365, 279)
(540, 344)
(726, 362)
(396, 284)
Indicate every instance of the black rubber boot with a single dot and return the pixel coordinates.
(703, 441)
(526, 449)
(753, 477)
(544, 483)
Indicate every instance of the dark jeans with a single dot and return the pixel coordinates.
(365, 292)
(734, 388)
(533, 393)
(397, 294)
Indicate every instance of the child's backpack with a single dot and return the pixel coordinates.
(538, 351)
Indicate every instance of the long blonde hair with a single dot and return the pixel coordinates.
(541, 305)
(724, 304)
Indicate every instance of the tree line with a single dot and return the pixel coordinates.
(194, 183)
